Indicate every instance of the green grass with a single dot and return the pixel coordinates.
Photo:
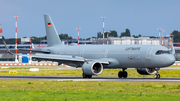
(25, 90)
(106, 72)
(20, 90)
(174, 66)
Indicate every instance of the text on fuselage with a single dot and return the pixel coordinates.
(132, 48)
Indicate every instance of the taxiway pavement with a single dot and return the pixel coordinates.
(78, 78)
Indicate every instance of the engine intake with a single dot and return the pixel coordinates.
(92, 68)
(146, 71)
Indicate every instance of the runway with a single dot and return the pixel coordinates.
(78, 78)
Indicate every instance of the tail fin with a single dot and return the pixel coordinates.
(51, 33)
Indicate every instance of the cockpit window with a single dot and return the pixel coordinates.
(162, 52)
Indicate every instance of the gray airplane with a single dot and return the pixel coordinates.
(147, 59)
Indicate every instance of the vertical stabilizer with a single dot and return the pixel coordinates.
(51, 33)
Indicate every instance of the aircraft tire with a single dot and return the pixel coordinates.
(120, 74)
(157, 76)
(89, 76)
(84, 75)
(125, 74)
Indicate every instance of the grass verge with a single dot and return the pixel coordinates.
(20, 90)
(106, 72)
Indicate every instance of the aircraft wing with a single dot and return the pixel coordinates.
(75, 61)
(57, 57)
(66, 58)
(39, 51)
(60, 58)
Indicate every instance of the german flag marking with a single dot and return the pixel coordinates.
(49, 24)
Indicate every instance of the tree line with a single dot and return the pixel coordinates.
(112, 33)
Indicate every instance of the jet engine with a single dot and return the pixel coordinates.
(146, 71)
(92, 68)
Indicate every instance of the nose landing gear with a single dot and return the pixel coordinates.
(157, 75)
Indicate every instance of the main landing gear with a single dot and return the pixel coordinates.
(123, 74)
(157, 75)
(86, 76)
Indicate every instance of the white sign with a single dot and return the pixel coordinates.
(4, 67)
(33, 69)
(25, 39)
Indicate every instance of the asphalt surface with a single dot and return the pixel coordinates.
(78, 78)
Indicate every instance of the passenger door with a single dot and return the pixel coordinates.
(148, 53)
(82, 53)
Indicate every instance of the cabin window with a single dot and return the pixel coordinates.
(162, 52)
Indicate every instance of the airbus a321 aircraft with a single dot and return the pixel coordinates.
(147, 59)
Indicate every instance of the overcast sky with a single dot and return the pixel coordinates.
(139, 16)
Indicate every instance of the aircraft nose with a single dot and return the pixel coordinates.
(170, 60)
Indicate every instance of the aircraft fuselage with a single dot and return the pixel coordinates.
(126, 56)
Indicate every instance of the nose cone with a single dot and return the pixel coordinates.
(164, 60)
(170, 60)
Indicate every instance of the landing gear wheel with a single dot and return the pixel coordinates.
(124, 74)
(86, 76)
(89, 76)
(120, 74)
(157, 76)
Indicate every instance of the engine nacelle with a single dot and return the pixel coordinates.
(92, 68)
(146, 71)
